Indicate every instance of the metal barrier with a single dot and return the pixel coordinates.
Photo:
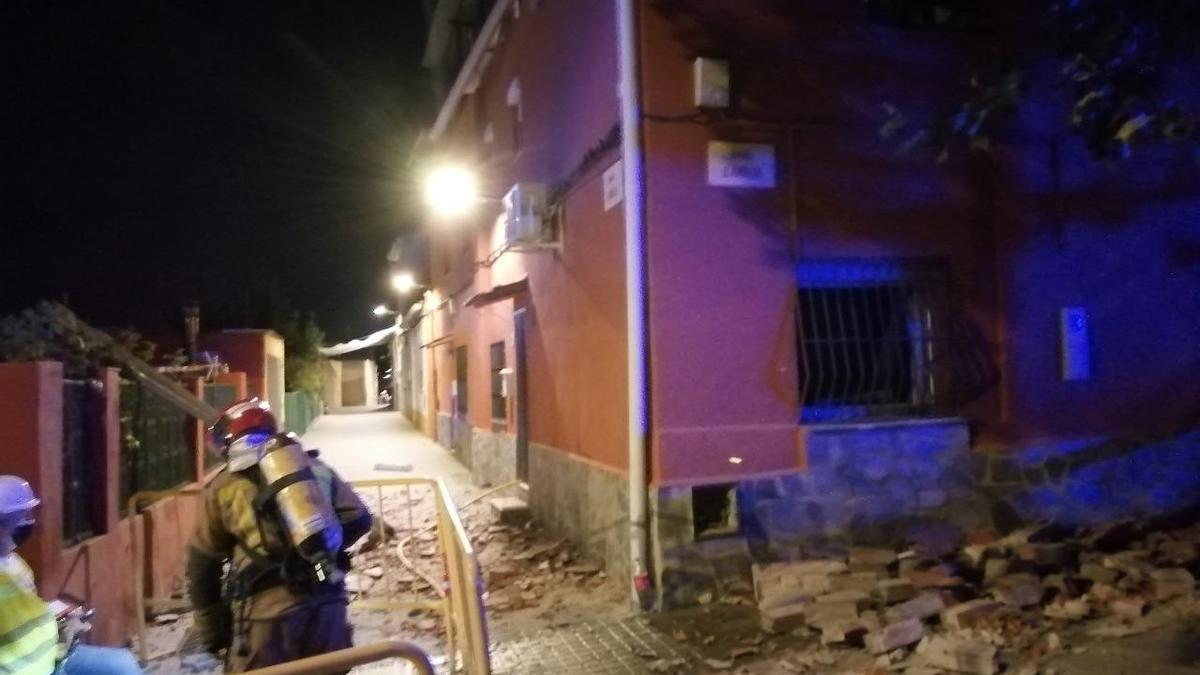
(355, 656)
(449, 584)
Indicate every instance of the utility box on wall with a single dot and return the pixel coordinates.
(1074, 344)
(711, 83)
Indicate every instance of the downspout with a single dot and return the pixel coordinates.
(635, 294)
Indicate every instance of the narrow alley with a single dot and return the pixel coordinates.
(548, 611)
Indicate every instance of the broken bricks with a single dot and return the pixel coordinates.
(1171, 582)
(959, 655)
(895, 636)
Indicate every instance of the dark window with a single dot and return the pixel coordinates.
(953, 15)
(460, 377)
(499, 402)
(874, 339)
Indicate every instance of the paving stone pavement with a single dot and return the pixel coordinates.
(623, 646)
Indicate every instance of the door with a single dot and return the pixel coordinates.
(522, 400)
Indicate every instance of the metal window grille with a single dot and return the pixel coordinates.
(499, 403)
(82, 449)
(876, 339)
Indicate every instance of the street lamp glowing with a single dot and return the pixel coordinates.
(379, 310)
(451, 191)
(404, 282)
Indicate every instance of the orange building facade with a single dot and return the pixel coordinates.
(844, 345)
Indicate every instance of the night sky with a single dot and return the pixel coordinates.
(158, 152)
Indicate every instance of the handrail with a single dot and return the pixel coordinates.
(344, 659)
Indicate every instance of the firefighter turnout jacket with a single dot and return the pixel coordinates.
(28, 629)
(233, 527)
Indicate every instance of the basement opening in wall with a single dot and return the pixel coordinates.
(714, 510)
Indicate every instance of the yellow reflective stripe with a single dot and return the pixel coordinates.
(32, 647)
(14, 636)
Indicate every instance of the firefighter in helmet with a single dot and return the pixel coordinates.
(282, 519)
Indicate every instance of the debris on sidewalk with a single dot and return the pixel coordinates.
(985, 608)
(401, 468)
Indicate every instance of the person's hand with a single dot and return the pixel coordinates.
(74, 626)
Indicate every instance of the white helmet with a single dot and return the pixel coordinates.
(16, 495)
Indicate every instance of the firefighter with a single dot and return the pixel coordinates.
(282, 519)
(32, 642)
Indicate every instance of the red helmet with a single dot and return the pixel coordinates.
(246, 416)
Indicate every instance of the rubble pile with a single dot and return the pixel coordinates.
(992, 605)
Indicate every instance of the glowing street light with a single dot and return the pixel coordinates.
(451, 191)
(381, 310)
(404, 281)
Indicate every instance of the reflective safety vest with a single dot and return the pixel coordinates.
(28, 630)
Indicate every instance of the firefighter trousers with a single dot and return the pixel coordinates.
(305, 631)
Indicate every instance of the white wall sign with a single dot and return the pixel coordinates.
(614, 185)
(746, 165)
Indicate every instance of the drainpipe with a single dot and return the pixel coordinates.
(635, 293)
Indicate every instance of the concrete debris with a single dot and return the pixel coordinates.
(927, 605)
(510, 510)
(784, 619)
(666, 665)
(992, 605)
(960, 655)
(1171, 583)
(970, 614)
(893, 591)
(902, 634)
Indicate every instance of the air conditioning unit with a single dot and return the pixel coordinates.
(524, 211)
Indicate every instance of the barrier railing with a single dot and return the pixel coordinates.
(445, 579)
(344, 659)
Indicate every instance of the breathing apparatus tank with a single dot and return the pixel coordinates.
(304, 508)
(247, 436)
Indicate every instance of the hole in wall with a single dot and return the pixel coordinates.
(714, 510)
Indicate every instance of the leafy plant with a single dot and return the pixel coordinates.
(50, 331)
(302, 343)
(1111, 60)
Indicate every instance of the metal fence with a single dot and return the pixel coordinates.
(155, 452)
(424, 562)
(83, 449)
(300, 410)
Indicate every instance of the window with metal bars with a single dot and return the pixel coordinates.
(874, 339)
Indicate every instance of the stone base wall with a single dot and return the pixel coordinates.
(455, 434)
(493, 457)
(894, 484)
(445, 430)
(868, 484)
(584, 503)
(1088, 481)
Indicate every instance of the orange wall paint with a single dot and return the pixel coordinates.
(575, 297)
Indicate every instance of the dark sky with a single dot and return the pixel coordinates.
(156, 152)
